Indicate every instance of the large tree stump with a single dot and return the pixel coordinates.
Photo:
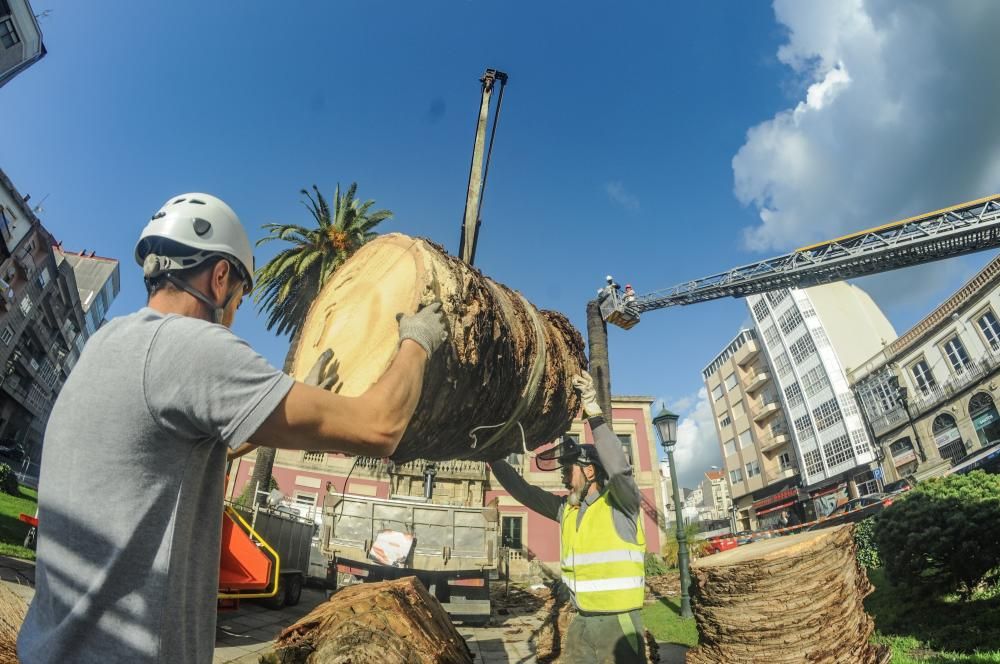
(391, 621)
(787, 600)
(505, 362)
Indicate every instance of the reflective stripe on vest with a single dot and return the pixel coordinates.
(605, 572)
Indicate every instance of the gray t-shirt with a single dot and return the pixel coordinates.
(131, 491)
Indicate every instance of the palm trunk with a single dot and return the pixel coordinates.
(264, 464)
(600, 365)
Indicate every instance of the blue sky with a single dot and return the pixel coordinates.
(615, 151)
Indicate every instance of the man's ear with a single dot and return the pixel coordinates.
(221, 277)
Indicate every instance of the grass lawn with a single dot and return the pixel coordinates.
(663, 619)
(12, 531)
(935, 631)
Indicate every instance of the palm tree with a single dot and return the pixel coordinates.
(289, 282)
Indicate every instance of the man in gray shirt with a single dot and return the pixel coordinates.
(602, 543)
(132, 477)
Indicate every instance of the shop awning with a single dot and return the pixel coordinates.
(778, 497)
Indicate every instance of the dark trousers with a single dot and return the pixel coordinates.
(614, 638)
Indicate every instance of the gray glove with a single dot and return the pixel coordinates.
(324, 374)
(427, 327)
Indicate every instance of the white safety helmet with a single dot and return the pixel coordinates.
(190, 229)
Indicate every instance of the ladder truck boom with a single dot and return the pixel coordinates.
(954, 231)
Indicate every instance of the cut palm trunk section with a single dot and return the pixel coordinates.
(505, 362)
(787, 600)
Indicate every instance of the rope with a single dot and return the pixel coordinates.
(530, 389)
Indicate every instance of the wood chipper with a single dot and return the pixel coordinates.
(265, 555)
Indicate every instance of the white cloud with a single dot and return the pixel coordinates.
(897, 117)
(697, 442)
(617, 193)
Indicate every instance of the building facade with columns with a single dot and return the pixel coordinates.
(930, 396)
(307, 477)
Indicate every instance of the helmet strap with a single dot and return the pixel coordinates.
(217, 310)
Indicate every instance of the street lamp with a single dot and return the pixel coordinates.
(666, 428)
(902, 398)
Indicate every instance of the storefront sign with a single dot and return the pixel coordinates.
(984, 420)
(949, 436)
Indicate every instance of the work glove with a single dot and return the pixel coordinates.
(426, 327)
(584, 385)
(324, 374)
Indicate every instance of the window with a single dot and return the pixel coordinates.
(511, 531)
(730, 381)
(802, 349)
(25, 305)
(782, 364)
(730, 447)
(827, 414)
(746, 439)
(789, 321)
(314, 456)
(803, 427)
(717, 392)
(815, 381)
(626, 441)
(955, 351)
(923, 376)
(760, 310)
(43, 277)
(822, 341)
(990, 328)
(305, 499)
(738, 410)
(774, 297)
(753, 469)
(793, 394)
(860, 440)
(772, 338)
(8, 35)
(735, 476)
(838, 450)
(808, 311)
(813, 461)
(725, 421)
(848, 406)
(785, 461)
(7, 335)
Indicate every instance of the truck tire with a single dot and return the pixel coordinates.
(293, 590)
(278, 601)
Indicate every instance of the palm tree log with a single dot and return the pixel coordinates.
(787, 600)
(391, 621)
(505, 362)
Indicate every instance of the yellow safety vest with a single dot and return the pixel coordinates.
(605, 573)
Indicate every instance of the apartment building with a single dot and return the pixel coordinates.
(930, 395)
(98, 281)
(42, 324)
(812, 337)
(306, 477)
(20, 39)
(716, 498)
(759, 460)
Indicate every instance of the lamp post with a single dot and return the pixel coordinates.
(902, 398)
(666, 428)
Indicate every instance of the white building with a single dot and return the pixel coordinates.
(811, 338)
(20, 39)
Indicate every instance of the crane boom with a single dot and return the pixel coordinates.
(961, 229)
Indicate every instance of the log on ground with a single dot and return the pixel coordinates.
(505, 362)
(788, 600)
(390, 621)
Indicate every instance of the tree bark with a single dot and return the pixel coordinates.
(263, 465)
(794, 599)
(391, 621)
(600, 364)
(505, 362)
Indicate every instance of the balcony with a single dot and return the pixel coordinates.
(762, 411)
(748, 352)
(458, 469)
(757, 381)
(772, 442)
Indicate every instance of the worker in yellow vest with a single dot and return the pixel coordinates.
(602, 544)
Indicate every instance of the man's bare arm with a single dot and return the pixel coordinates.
(372, 424)
(245, 448)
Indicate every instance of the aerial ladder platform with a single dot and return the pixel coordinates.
(954, 231)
